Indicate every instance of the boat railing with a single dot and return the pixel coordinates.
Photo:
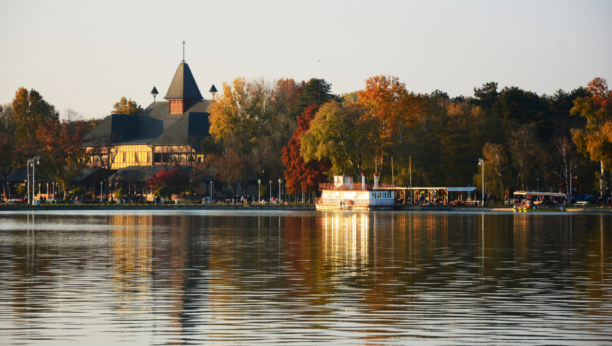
(354, 186)
(357, 202)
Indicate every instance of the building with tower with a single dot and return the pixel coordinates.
(167, 132)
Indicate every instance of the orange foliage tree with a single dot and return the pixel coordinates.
(388, 100)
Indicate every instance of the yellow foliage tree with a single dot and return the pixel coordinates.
(125, 106)
(595, 139)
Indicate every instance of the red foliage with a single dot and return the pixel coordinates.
(299, 174)
(174, 179)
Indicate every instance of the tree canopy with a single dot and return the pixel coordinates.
(125, 106)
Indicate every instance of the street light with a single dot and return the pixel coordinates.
(211, 188)
(8, 187)
(481, 163)
(101, 194)
(279, 189)
(259, 189)
(32, 161)
(270, 190)
(538, 186)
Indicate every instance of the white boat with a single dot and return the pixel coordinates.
(342, 194)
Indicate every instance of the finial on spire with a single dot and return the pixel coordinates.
(154, 93)
(183, 52)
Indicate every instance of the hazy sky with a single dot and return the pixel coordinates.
(86, 55)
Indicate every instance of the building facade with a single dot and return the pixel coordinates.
(166, 132)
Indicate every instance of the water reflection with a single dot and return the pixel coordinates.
(336, 277)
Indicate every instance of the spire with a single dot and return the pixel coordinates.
(183, 85)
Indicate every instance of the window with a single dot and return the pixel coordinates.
(124, 157)
(148, 157)
(135, 157)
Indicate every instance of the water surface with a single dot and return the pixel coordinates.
(304, 277)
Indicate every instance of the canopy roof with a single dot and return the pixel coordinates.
(533, 193)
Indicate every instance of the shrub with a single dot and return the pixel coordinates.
(122, 192)
(78, 192)
(163, 192)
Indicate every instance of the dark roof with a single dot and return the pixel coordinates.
(19, 175)
(149, 125)
(189, 130)
(115, 128)
(183, 85)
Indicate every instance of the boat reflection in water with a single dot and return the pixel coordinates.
(358, 277)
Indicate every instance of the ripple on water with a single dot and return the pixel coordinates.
(303, 278)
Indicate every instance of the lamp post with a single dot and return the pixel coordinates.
(8, 187)
(538, 186)
(211, 188)
(270, 190)
(27, 181)
(279, 189)
(481, 163)
(37, 160)
(259, 189)
(101, 194)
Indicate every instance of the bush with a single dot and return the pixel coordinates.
(163, 192)
(122, 192)
(78, 192)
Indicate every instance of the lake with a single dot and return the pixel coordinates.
(244, 278)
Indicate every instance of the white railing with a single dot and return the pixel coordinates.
(358, 202)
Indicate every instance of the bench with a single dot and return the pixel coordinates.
(581, 203)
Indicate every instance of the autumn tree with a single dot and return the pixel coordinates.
(30, 110)
(496, 161)
(397, 110)
(174, 179)
(10, 157)
(225, 167)
(524, 147)
(125, 106)
(61, 151)
(302, 175)
(346, 135)
(592, 140)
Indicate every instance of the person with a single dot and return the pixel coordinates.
(609, 201)
(600, 200)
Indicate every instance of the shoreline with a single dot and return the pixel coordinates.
(302, 207)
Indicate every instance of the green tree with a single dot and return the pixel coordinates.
(316, 92)
(486, 96)
(125, 106)
(342, 134)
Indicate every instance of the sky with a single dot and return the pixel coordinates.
(86, 55)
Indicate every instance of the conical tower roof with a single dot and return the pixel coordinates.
(183, 85)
